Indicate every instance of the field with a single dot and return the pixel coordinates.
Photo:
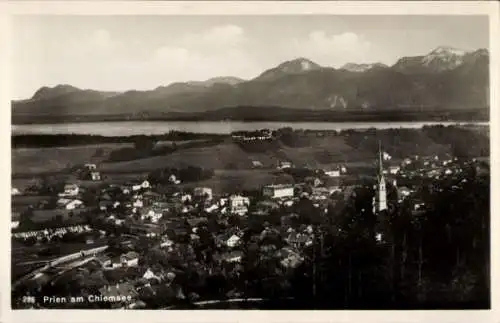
(233, 162)
(40, 160)
(226, 155)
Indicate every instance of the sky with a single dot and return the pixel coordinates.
(120, 53)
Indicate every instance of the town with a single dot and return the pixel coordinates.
(153, 243)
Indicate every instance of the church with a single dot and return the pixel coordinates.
(380, 198)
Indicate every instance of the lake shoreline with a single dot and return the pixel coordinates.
(159, 128)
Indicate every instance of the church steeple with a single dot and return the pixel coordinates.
(380, 199)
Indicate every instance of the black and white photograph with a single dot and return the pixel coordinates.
(250, 162)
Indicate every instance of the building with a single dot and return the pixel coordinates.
(278, 191)
(203, 192)
(284, 164)
(70, 190)
(233, 241)
(380, 199)
(95, 176)
(14, 191)
(69, 204)
(90, 166)
(257, 164)
(130, 259)
(15, 219)
(239, 204)
(394, 169)
(332, 172)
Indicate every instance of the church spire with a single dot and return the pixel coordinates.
(380, 165)
(380, 199)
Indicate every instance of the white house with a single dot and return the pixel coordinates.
(278, 191)
(138, 203)
(14, 191)
(130, 259)
(149, 274)
(236, 201)
(332, 173)
(70, 190)
(233, 241)
(394, 169)
(95, 176)
(15, 220)
(406, 161)
(152, 215)
(145, 184)
(90, 166)
(211, 208)
(73, 204)
(284, 164)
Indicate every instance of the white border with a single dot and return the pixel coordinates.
(248, 8)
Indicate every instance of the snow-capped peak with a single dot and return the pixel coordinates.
(353, 67)
(446, 50)
(444, 58)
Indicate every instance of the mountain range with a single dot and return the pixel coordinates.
(446, 79)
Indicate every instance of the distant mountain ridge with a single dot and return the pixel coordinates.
(446, 78)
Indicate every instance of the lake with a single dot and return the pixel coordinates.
(128, 128)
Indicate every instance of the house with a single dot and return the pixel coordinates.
(278, 191)
(406, 161)
(126, 189)
(211, 208)
(231, 257)
(173, 179)
(284, 164)
(138, 203)
(90, 166)
(203, 192)
(153, 215)
(239, 204)
(104, 260)
(321, 192)
(394, 169)
(233, 241)
(14, 191)
(257, 164)
(167, 244)
(332, 172)
(70, 190)
(404, 191)
(73, 204)
(69, 204)
(15, 219)
(149, 274)
(95, 176)
(297, 240)
(130, 259)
